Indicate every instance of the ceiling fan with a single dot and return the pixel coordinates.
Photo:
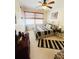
(46, 4)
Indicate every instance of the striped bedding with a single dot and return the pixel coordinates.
(42, 32)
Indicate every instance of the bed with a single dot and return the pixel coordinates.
(47, 30)
(42, 31)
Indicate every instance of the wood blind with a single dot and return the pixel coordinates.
(33, 15)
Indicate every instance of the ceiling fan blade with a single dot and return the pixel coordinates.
(51, 2)
(49, 7)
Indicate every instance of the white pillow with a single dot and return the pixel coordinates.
(48, 27)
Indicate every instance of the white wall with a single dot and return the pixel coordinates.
(59, 21)
(58, 6)
(20, 25)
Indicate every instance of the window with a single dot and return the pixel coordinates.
(33, 18)
(29, 15)
(39, 16)
(39, 21)
(29, 21)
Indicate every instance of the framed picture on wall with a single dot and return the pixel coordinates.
(54, 15)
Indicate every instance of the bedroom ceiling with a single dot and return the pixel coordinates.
(35, 4)
(29, 3)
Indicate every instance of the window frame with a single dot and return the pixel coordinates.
(35, 17)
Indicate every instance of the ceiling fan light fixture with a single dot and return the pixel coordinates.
(44, 7)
